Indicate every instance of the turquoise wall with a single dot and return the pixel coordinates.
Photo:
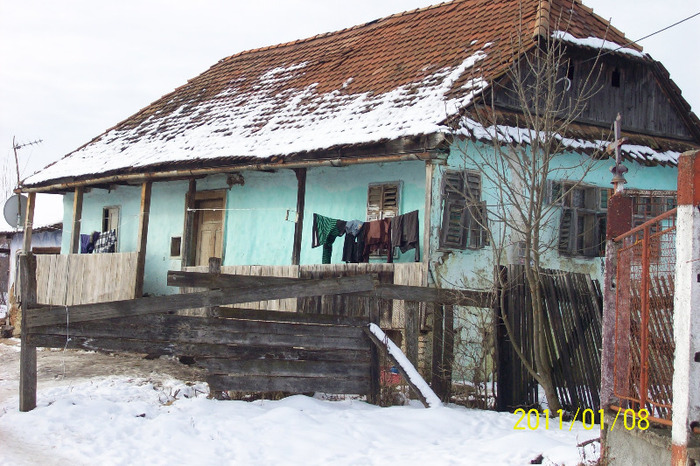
(473, 268)
(259, 220)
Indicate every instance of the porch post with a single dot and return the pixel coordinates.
(27, 357)
(299, 226)
(143, 236)
(29, 223)
(27, 279)
(77, 215)
(188, 231)
(686, 309)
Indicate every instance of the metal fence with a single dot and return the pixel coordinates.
(644, 346)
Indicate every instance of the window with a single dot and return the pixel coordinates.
(615, 78)
(110, 221)
(175, 246)
(649, 204)
(383, 200)
(583, 218)
(464, 216)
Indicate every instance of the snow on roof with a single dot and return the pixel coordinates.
(403, 75)
(598, 44)
(515, 135)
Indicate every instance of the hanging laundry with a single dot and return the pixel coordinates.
(354, 241)
(106, 242)
(325, 231)
(377, 237)
(405, 232)
(94, 236)
(84, 243)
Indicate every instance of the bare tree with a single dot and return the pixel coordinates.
(517, 154)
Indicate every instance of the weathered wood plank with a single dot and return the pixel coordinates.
(160, 304)
(352, 385)
(382, 290)
(284, 368)
(283, 316)
(69, 279)
(411, 331)
(198, 350)
(170, 328)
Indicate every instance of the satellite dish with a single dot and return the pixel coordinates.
(15, 210)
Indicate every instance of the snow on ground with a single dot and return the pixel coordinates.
(158, 419)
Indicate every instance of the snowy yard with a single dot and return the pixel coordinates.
(133, 411)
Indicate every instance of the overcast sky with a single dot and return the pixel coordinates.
(71, 69)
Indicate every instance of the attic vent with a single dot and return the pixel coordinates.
(616, 78)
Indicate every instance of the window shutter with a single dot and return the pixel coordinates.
(453, 184)
(565, 231)
(477, 226)
(453, 224)
(374, 202)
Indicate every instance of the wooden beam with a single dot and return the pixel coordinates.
(197, 350)
(382, 290)
(436, 378)
(29, 223)
(166, 328)
(375, 390)
(77, 217)
(188, 229)
(411, 330)
(142, 236)
(285, 316)
(159, 304)
(379, 344)
(27, 365)
(299, 225)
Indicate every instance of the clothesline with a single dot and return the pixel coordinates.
(364, 238)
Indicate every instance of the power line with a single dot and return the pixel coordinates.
(657, 32)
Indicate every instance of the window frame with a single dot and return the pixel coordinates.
(107, 224)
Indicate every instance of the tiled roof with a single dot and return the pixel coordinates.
(398, 76)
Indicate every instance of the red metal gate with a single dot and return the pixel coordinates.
(644, 346)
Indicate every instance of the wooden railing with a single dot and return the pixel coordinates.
(70, 279)
(398, 274)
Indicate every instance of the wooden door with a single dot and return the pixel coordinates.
(209, 228)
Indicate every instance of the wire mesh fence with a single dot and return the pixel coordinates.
(644, 347)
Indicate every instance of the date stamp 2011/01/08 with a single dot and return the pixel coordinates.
(532, 419)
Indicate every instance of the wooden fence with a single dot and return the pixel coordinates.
(68, 279)
(573, 326)
(306, 352)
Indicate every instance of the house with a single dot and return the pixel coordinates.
(357, 125)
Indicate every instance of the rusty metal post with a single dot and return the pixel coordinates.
(644, 321)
